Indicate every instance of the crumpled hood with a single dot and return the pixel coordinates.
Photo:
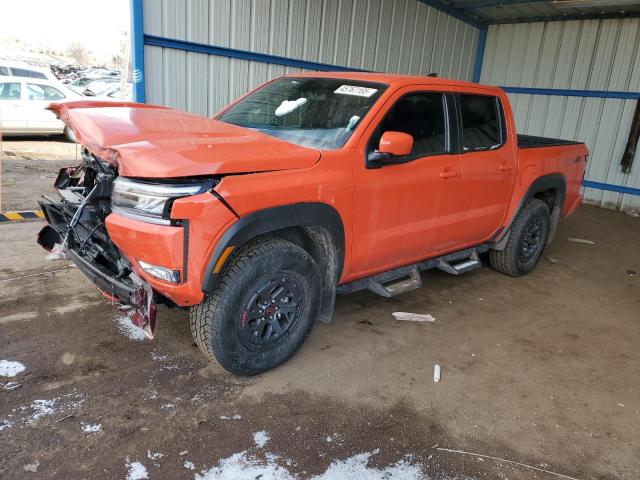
(149, 141)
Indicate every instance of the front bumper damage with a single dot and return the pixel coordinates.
(77, 223)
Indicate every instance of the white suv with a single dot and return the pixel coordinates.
(15, 69)
(23, 105)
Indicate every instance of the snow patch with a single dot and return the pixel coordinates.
(240, 466)
(136, 471)
(28, 414)
(128, 329)
(11, 385)
(89, 428)
(261, 438)
(357, 467)
(189, 465)
(10, 369)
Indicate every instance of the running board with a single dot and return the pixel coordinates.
(471, 263)
(404, 279)
(396, 287)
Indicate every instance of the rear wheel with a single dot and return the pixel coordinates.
(262, 310)
(527, 239)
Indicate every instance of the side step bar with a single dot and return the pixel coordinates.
(405, 279)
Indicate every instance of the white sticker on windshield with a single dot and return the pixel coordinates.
(356, 91)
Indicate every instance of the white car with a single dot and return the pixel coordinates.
(23, 105)
(18, 69)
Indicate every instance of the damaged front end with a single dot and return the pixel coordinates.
(76, 228)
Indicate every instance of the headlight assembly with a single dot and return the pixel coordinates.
(149, 201)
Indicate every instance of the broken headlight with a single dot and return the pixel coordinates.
(150, 201)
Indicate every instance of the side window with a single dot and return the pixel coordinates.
(421, 115)
(10, 91)
(20, 72)
(43, 92)
(4, 71)
(481, 122)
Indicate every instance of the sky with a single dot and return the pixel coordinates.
(57, 23)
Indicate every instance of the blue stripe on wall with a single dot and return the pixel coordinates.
(137, 50)
(611, 188)
(243, 54)
(477, 67)
(574, 93)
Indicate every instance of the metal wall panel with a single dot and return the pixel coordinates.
(400, 36)
(574, 55)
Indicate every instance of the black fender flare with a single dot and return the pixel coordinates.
(556, 181)
(273, 219)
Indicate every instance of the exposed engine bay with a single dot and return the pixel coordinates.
(77, 230)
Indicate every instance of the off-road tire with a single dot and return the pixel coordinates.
(217, 323)
(509, 261)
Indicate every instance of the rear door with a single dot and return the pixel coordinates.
(403, 211)
(487, 165)
(39, 96)
(13, 116)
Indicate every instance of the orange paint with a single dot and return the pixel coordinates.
(392, 216)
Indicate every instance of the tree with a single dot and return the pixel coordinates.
(78, 52)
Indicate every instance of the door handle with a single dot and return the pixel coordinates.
(505, 166)
(448, 174)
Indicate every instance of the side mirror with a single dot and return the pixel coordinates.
(397, 144)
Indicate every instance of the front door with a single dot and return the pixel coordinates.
(404, 207)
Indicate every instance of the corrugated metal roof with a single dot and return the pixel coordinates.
(497, 11)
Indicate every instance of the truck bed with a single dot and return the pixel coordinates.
(531, 141)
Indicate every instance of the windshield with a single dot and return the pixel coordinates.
(318, 113)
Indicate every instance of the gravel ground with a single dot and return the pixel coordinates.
(29, 166)
(541, 370)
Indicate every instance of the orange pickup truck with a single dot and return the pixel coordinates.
(310, 185)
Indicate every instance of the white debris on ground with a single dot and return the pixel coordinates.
(235, 417)
(413, 317)
(27, 414)
(11, 369)
(189, 465)
(581, 240)
(261, 438)
(11, 385)
(436, 373)
(89, 428)
(128, 329)
(242, 465)
(154, 455)
(57, 253)
(136, 471)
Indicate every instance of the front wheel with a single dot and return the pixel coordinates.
(262, 310)
(527, 239)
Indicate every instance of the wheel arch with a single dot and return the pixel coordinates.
(310, 225)
(551, 189)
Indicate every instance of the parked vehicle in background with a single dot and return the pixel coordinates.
(81, 83)
(99, 88)
(310, 185)
(117, 93)
(23, 105)
(25, 70)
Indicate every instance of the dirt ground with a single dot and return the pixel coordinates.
(541, 370)
(28, 166)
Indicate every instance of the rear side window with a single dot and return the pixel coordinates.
(422, 116)
(43, 92)
(21, 72)
(10, 91)
(4, 71)
(481, 122)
